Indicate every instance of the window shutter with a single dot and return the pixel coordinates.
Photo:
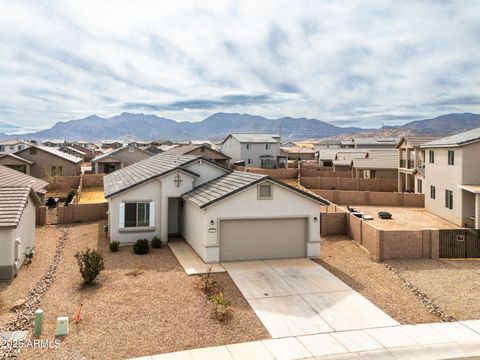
(152, 214)
(121, 215)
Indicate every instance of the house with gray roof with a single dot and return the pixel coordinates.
(204, 151)
(378, 164)
(223, 214)
(10, 177)
(17, 227)
(117, 159)
(254, 150)
(452, 178)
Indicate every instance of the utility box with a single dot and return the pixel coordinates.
(62, 326)
(38, 322)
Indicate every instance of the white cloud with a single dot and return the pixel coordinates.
(365, 62)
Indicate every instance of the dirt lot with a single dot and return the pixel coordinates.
(91, 195)
(453, 285)
(354, 266)
(404, 218)
(141, 305)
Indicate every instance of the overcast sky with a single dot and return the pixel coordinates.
(346, 62)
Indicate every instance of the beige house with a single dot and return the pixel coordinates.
(118, 159)
(378, 164)
(16, 162)
(411, 163)
(12, 145)
(11, 178)
(298, 153)
(49, 161)
(223, 214)
(452, 178)
(204, 151)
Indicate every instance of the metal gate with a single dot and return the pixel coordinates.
(460, 243)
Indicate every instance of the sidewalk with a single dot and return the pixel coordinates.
(424, 341)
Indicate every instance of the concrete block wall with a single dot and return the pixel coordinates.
(41, 216)
(325, 173)
(275, 173)
(350, 184)
(92, 180)
(344, 197)
(334, 223)
(77, 213)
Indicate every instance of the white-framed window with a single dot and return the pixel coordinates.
(249, 161)
(268, 146)
(131, 148)
(248, 146)
(265, 191)
(56, 170)
(449, 199)
(451, 157)
(431, 156)
(432, 192)
(137, 214)
(419, 185)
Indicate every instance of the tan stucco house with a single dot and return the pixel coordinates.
(223, 214)
(378, 164)
(452, 178)
(204, 151)
(50, 161)
(118, 159)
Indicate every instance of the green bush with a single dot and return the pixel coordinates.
(114, 245)
(90, 263)
(221, 306)
(141, 247)
(156, 243)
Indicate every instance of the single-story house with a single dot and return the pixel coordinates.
(298, 153)
(17, 227)
(224, 215)
(379, 164)
(50, 161)
(112, 144)
(118, 159)
(16, 162)
(10, 177)
(201, 150)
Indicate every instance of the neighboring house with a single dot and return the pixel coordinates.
(84, 144)
(88, 152)
(157, 143)
(341, 158)
(224, 215)
(375, 143)
(153, 150)
(255, 150)
(54, 143)
(16, 162)
(204, 151)
(298, 153)
(12, 178)
(327, 144)
(11, 146)
(118, 159)
(72, 151)
(140, 144)
(49, 161)
(112, 144)
(379, 164)
(452, 178)
(17, 227)
(411, 163)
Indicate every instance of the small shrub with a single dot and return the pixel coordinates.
(209, 285)
(114, 245)
(156, 243)
(141, 247)
(221, 306)
(90, 263)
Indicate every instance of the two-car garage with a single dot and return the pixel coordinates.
(251, 239)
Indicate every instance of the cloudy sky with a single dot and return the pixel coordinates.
(347, 62)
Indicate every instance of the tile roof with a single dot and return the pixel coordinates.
(12, 203)
(53, 151)
(256, 138)
(298, 150)
(185, 149)
(229, 184)
(116, 151)
(378, 159)
(416, 141)
(16, 157)
(455, 140)
(375, 141)
(143, 171)
(11, 177)
(331, 154)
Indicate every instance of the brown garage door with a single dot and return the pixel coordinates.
(249, 239)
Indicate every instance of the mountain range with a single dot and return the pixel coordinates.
(128, 126)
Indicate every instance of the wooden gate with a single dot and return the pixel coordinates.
(460, 243)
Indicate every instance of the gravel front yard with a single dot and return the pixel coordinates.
(141, 305)
(351, 264)
(452, 285)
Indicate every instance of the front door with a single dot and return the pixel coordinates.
(174, 216)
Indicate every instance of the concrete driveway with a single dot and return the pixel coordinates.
(295, 297)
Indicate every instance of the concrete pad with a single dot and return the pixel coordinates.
(249, 351)
(391, 337)
(211, 353)
(322, 344)
(471, 348)
(424, 334)
(288, 316)
(374, 355)
(256, 279)
(190, 261)
(180, 355)
(472, 324)
(435, 351)
(306, 276)
(456, 331)
(357, 340)
(348, 310)
(286, 349)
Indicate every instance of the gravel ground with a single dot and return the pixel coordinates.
(404, 218)
(29, 274)
(141, 305)
(353, 265)
(452, 285)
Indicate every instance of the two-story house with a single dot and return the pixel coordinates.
(12, 145)
(255, 150)
(411, 163)
(452, 178)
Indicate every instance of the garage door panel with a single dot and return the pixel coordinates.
(249, 239)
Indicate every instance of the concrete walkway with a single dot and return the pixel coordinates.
(425, 341)
(190, 261)
(294, 297)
